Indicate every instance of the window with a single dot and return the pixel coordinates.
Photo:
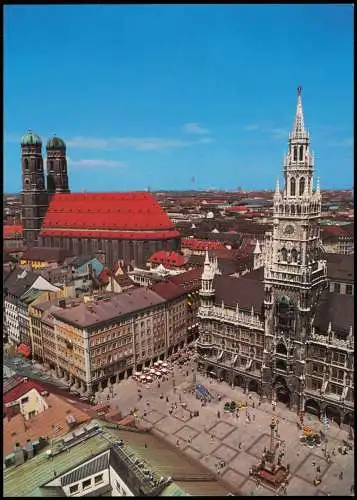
(337, 288)
(302, 186)
(86, 484)
(335, 389)
(294, 255)
(301, 153)
(284, 255)
(349, 290)
(295, 153)
(337, 375)
(73, 488)
(24, 400)
(338, 358)
(26, 164)
(292, 187)
(98, 479)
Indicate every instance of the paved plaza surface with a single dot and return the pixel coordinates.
(238, 443)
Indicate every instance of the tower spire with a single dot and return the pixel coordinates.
(299, 128)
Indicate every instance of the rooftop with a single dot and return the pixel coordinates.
(109, 307)
(107, 215)
(164, 460)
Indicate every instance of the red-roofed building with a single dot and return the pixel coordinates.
(128, 226)
(25, 398)
(13, 235)
(198, 247)
(167, 259)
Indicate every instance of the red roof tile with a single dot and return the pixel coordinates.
(13, 230)
(21, 389)
(201, 245)
(107, 215)
(168, 259)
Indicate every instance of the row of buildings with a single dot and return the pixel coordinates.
(100, 338)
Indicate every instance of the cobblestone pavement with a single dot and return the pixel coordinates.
(235, 441)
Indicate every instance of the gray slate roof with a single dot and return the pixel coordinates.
(109, 307)
(340, 267)
(247, 292)
(339, 309)
(16, 285)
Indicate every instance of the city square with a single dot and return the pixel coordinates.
(211, 439)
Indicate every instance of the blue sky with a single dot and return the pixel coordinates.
(152, 96)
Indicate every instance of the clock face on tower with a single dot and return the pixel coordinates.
(289, 229)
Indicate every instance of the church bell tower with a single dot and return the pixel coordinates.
(295, 270)
(34, 195)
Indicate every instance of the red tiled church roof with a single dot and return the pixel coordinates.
(107, 215)
(169, 259)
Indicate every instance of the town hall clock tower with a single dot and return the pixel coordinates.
(295, 270)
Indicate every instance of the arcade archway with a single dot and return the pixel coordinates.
(313, 407)
(253, 386)
(333, 414)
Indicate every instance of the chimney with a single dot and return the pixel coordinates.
(19, 455)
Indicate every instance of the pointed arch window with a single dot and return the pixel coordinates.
(284, 254)
(301, 153)
(298, 209)
(294, 255)
(302, 186)
(292, 186)
(295, 153)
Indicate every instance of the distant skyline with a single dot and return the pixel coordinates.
(179, 96)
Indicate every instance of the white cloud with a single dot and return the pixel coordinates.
(96, 163)
(343, 143)
(251, 127)
(195, 128)
(139, 143)
(278, 133)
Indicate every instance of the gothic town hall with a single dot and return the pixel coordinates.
(284, 330)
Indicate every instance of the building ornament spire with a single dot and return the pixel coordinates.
(299, 129)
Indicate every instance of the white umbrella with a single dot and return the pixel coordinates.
(158, 373)
(156, 363)
(163, 370)
(160, 362)
(149, 378)
(165, 365)
(152, 371)
(137, 374)
(142, 377)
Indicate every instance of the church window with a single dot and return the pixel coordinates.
(292, 209)
(292, 186)
(280, 364)
(301, 153)
(295, 153)
(298, 209)
(302, 186)
(284, 254)
(285, 314)
(26, 164)
(294, 255)
(281, 349)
